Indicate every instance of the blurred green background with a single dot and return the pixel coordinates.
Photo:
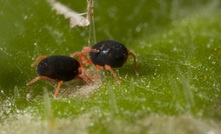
(177, 43)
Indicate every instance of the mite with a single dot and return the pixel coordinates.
(59, 68)
(106, 54)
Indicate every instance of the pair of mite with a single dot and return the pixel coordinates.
(106, 54)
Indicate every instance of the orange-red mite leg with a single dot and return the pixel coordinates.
(89, 49)
(86, 60)
(135, 64)
(85, 79)
(99, 67)
(80, 57)
(113, 73)
(41, 57)
(58, 88)
(86, 72)
(80, 70)
(39, 78)
(75, 54)
(83, 54)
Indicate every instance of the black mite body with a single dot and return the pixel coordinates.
(106, 54)
(111, 53)
(58, 68)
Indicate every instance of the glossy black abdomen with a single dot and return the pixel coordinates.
(58, 67)
(110, 53)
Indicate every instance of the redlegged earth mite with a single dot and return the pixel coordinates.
(59, 68)
(106, 54)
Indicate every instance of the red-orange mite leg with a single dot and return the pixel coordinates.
(89, 49)
(83, 56)
(86, 60)
(113, 73)
(135, 64)
(58, 88)
(80, 70)
(39, 78)
(85, 79)
(41, 57)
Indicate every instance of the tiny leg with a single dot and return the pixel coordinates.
(135, 64)
(81, 69)
(85, 79)
(41, 57)
(113, 73)
(75, 54)
(89, 49)
(58, 88)
(84, 52)
(39, 78)
(83, 59)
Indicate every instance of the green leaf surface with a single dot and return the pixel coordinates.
(177, 44)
